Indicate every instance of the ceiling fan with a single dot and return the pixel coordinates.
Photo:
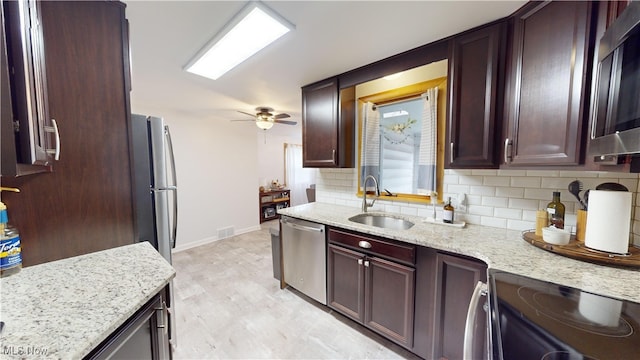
(265, 118)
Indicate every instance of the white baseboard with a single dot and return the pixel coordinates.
(191, 244)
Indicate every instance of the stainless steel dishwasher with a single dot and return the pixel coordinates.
(304, 257)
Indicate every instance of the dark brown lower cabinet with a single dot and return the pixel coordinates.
(143, 336)
(376, 292)
(456, 278)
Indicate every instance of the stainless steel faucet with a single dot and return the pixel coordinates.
(365, 205)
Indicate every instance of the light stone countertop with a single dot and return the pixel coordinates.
(64, 309)
(501, 249)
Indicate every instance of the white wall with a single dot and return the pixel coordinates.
(497, 198)
(271, 157)
(217, 169)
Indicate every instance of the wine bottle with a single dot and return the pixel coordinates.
(555, 211)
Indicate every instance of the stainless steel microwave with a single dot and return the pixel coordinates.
(615, 127)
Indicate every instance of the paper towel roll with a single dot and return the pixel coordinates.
(609, 221)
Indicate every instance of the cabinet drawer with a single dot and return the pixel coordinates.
(404, 253)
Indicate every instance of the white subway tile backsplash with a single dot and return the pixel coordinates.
(543, 173)
(495, 181)
(512, 173)
(573, 175)
(451, 179)
(538, 194)
(493, 222)
(498, 198)
(482, 190)
(520, 225)
(470, 180)
(525, 181)
(510, 192)
(506, 213)
(526, 204)
(555, 183)
(495, 201)
(484, 172)
(480, 210)
(456, 189)
(529, 215)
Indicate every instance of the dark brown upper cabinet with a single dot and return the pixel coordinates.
(476, 65)
(85, 204)
(547, 94)
(328, 125)
(30, 139)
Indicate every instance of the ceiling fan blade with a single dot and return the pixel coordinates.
(287, 122)
(282, 116)
(246, 113)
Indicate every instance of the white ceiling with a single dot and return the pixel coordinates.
(331, 37)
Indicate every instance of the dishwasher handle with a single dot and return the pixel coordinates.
(480, 290)
(302, 227)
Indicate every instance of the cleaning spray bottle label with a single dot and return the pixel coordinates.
(10, 253)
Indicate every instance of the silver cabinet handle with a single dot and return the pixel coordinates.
(333, 155)
(480, 290)
(301, 227)
(506, 150)
(54, 129)
(162, 318)
(359, 261)
(366, 263)
(451, 153)
(364, 244)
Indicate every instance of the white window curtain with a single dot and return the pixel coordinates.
(298, 178)
(370, 155)
(428, 143)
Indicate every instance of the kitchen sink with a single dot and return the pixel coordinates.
(382, 221)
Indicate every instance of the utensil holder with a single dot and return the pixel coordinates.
(581, 225)
(542, 221)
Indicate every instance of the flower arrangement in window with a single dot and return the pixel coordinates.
(395, 132)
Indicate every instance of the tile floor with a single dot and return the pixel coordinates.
(229, 306)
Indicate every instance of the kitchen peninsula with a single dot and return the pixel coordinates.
(500, 249)
(67, 308)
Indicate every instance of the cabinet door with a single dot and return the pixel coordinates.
(142, 336)
(547, 83)
(456, 279)
(86, 204)
(328, 120)
(389, 298)
(345, 281)
(475, 62)
(27, 129)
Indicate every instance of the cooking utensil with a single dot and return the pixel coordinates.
(574, 188)
(586, 200)
(612, 186)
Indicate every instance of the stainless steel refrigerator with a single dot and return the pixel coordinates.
(156, 191)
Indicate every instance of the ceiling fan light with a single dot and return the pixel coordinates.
(264, 124)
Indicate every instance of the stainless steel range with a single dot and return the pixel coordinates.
(533, 319)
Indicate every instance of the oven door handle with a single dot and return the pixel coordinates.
(480, 290)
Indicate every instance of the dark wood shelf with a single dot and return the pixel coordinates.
(270, 201)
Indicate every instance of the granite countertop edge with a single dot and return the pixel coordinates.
(66, 308)
(500, 249)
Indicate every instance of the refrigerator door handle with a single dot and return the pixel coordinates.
(174, 187)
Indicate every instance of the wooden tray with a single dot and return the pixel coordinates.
(577, 250)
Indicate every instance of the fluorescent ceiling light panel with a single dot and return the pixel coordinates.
(252, 29)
